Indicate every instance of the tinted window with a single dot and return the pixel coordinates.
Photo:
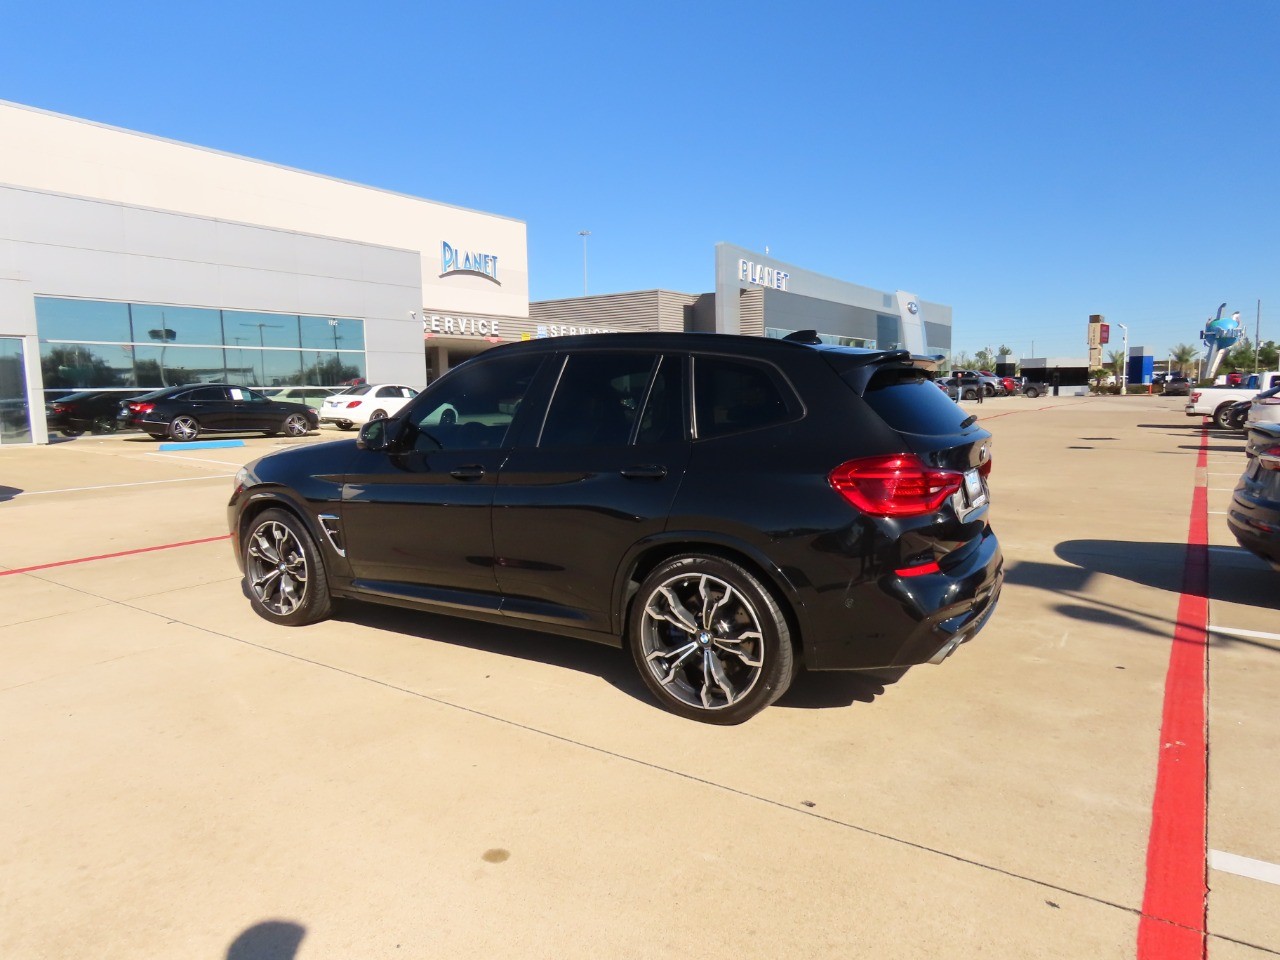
(206, 394)
(663, 419)
(597, 398)
(731, 396)
(909, 402)
(473, 406)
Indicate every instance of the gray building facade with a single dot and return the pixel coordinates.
(757, 295)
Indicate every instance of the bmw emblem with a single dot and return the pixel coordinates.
(912, 307)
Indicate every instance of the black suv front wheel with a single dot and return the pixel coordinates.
(283, 571)
(709, 640)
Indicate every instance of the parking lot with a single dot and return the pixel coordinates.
(183, 779)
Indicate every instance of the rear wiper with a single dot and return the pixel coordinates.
(969, 421)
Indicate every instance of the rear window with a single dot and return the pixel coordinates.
(910, 402)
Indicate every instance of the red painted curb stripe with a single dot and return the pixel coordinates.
(108, 556)
(1172, 926)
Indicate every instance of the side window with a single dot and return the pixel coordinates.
(389, 392)
(206, 395)
(663, 419)
(732, 396)
(472, 407)
(597, 399)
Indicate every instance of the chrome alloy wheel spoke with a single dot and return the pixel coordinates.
(732, 645)
(713, 672)
(709, 608)
(673, 659)
(675, 612)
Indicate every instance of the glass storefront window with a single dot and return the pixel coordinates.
(332, 333)
(260, 329)
(158, 346)
(82, 320)
(15, 414)
(173, 325)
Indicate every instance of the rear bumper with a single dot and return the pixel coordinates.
(916, 619)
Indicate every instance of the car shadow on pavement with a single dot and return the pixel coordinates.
(608, 663)
(809, 690)
(8, 493)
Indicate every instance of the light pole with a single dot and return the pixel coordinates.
(584, 234)
(262, 345)
(1124, 361)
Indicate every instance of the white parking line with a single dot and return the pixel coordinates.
(1237, 632)
(110, 486)
(179, 456)
(1244, 867)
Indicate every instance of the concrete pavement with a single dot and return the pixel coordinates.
(179, 772)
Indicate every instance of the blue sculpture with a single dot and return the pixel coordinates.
(1219, 334)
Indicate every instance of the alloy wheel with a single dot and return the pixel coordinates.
(295, 425)
(701, 639)
(184, 428)
(277, 568)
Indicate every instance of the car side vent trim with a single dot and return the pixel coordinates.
(333, 530)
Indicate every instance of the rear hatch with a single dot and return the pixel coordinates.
(939, 506)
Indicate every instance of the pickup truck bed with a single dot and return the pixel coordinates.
(1215, 401)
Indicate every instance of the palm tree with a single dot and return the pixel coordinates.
(1184, 356)
(1116, 359)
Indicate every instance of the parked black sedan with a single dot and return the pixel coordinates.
(92, 411)
(1254, 516)
(184, 413)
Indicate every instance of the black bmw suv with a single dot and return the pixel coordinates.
(724, 507)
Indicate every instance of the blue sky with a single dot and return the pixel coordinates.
(1028, 164)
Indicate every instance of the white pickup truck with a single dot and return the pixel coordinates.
(1216, 401)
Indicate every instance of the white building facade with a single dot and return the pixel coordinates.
(128, 261)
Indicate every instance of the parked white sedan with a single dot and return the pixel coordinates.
(369, 401)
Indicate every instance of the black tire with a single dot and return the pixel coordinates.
(724, 660)
(1031, 392)
(343, 424)
(969, 394)
(71, 433)
(378, 415)
(1220, 416)
(184, 428)
(104, 425)
(284, 574)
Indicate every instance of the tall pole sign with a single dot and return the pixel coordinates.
(1099, 333)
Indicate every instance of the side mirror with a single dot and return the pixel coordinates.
(375, 435)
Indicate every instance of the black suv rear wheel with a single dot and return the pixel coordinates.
(709, 640)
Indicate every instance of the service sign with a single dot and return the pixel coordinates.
(454, 260)
(443, 325)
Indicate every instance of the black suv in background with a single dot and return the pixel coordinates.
(724, 507)
(184, 413)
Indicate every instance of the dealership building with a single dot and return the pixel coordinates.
(130, 262)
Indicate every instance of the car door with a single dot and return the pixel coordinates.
(211, 405)
(599, 476)
(255, 411)
(416, 517)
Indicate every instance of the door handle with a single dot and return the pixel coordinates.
(645, 471)
(472, 472)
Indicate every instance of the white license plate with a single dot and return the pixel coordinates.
(973, 491)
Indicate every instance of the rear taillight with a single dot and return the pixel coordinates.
(353, 404)
(1269, 459)
(1195, 398)
(985, 467)
(894, 486)
(142, 407)
(59, 408)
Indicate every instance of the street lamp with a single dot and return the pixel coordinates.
(262, 344)
(584, 234)
(1124, 361)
